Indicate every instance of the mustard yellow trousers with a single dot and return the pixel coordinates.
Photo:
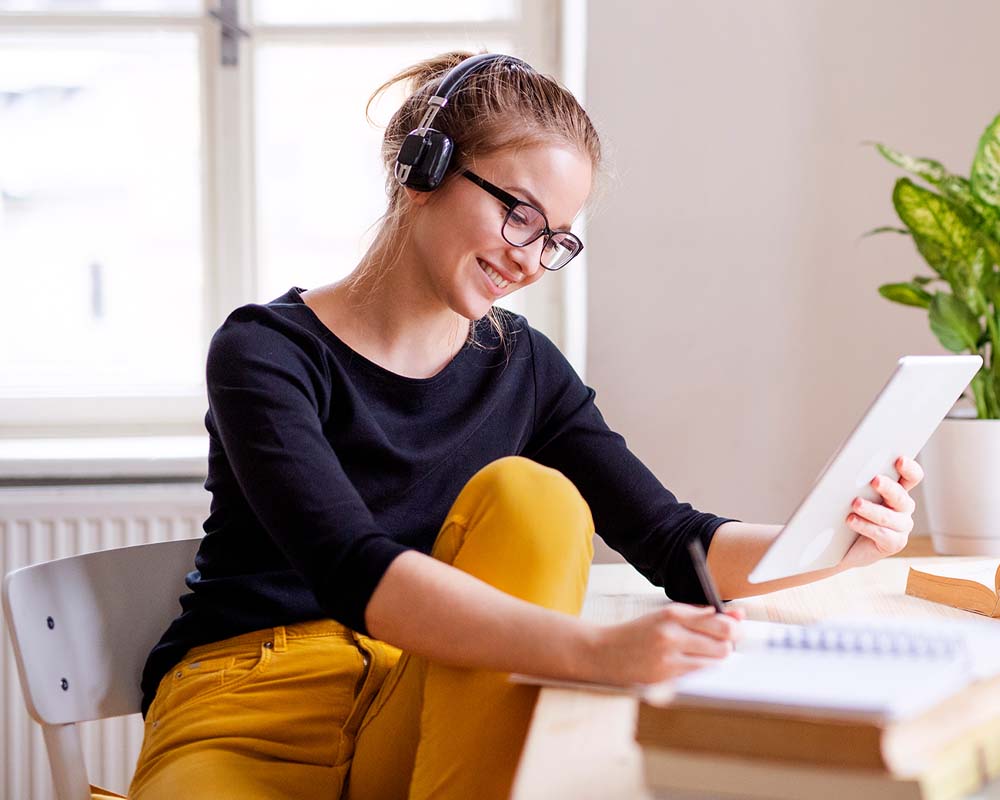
(316, 710)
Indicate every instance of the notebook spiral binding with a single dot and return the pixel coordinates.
(873, 641)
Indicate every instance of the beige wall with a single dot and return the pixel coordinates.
(735, 333)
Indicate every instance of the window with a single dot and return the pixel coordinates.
(147, 189)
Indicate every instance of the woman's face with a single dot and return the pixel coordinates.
(456, 231)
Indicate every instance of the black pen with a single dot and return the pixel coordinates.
(704, 576)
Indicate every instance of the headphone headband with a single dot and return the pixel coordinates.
(457, 75)
(426, 153)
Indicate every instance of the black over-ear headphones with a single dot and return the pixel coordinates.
(426, 153)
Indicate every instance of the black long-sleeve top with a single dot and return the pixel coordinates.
(324, 466)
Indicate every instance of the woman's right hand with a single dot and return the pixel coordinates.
(664, 644)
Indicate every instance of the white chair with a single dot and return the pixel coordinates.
(81, 629)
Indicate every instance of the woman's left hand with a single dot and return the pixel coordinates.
(884, 527)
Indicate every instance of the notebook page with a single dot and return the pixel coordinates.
(979, 637)
(854, 667)
(834, 684)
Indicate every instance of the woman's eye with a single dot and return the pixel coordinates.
(518, 219)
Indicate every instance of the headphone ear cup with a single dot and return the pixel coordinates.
(428, 157)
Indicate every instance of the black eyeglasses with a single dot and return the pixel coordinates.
(524, 224)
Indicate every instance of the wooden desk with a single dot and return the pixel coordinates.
(581, 746)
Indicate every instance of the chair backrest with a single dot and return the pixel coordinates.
(83, 626)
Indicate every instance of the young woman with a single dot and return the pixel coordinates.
(406, 482)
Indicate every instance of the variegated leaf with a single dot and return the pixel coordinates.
(927, 168)
(986, 166)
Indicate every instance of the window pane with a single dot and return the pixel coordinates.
(171, 7)
(100, 213)
(306, 12)
(320, 182)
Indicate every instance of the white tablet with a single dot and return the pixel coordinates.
(921, 390)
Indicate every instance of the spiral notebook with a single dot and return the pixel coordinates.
(878, 670)
(856, 670)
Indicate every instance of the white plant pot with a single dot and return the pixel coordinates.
(961, 487)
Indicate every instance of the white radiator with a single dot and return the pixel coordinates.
(40, 523)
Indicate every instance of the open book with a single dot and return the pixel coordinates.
(971, 585)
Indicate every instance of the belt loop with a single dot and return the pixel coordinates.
(279, 639)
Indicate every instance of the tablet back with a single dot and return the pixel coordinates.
(918, 395)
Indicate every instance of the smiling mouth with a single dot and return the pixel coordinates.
(498, 280)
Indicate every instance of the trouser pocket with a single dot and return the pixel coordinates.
(206, 672)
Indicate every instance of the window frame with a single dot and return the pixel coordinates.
(228, 191)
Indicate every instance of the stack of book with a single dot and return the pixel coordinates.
(833, 711)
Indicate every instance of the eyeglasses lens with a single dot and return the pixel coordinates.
(559, 250)
(523, 225)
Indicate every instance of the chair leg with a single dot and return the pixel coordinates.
(69, 772)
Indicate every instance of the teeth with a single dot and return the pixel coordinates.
(494, 275)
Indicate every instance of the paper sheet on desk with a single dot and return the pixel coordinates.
(608, 609)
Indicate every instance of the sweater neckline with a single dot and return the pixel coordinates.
(295, 294)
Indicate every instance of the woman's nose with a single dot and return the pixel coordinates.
(526, 258)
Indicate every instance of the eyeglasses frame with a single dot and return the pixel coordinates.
(512, 203)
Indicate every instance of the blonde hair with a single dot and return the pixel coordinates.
(501, 106)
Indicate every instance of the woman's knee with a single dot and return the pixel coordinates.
(534, 502)
(525, 529)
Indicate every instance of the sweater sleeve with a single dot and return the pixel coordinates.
(633, 512)
(266, 395)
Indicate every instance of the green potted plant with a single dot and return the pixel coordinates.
(954, 223)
